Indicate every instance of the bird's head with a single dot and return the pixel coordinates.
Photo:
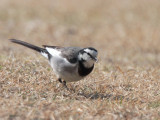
(88, 56)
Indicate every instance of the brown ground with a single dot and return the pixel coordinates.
(125, 83)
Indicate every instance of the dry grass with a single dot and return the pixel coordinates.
(125, 83)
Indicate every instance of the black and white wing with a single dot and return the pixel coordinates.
(69, 53)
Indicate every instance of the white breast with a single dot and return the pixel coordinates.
(62, 67)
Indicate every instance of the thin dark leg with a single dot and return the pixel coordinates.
(63, 83)
(59, 79)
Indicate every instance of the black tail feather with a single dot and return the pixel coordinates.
(36, 48)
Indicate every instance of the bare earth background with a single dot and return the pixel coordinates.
(125, 83)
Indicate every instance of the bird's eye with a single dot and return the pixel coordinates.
(90, 55)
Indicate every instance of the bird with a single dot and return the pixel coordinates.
(70, 64)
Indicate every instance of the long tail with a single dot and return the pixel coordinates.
(43, 51)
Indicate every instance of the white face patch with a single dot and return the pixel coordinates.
(91, 52)
(88, 50)
(89, 64)
(88, 61)
(85, 57)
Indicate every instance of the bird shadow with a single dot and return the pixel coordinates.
(93, 95)
(96, 95)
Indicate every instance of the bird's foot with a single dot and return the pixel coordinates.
(65, 85)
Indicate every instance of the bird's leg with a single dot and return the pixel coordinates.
(70, 90)
(59, 79)
(63, 83)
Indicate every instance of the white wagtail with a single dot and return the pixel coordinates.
(70, 64)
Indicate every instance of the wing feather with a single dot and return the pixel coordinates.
(70, 53)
